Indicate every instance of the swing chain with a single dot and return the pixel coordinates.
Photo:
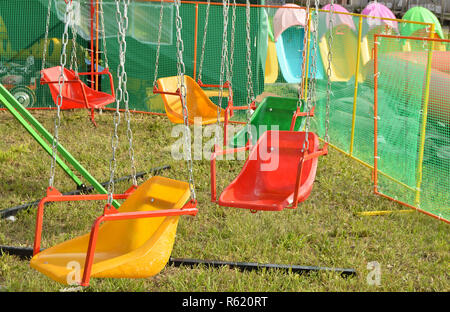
(122, 22)
(224, 59)
(330, 57)
(59, 99)
(231, 61)
(161, 14)
(126, 96)
(47, 26)
(304, 55)
(205, 32)
(102, 21)
(312, 82)
(250, 94)
(182, 89)
(73, 58)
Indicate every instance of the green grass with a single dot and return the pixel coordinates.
(412, 248)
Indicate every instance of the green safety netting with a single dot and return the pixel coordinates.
(414, 152)
(23, 33)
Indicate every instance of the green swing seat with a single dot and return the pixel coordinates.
(272, 112)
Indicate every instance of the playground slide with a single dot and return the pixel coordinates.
(290, 58)
(344, 50)
(271, 71)
(271, 112)
(135, 248)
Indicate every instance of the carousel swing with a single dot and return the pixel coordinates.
(74, 92)
(262, 185)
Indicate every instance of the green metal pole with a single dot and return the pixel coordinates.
(7, 98)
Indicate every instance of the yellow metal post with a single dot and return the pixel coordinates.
(355, 95)
(305, 79)
(424, 118)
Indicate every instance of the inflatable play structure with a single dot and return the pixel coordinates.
(344, 54)
(420, 14)
(376, 25)
(289, 34)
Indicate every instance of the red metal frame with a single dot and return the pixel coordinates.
(109, 214)
(299, 113)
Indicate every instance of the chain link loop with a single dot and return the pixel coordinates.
(158, 48)
(330, 58)
(250, 94)
(47, 25)
(59, 100)
(205, 32)
(182, 89)
(224, 66)
(102, 21)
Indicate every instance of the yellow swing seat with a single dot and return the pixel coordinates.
(132, 248)
(198, 103)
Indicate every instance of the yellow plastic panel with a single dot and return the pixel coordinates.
(344, 50)
(271, 71)
(136, 248)
(198, 103)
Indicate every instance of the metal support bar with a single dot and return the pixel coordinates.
(27, 253)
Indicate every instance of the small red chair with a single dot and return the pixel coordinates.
(75, 93)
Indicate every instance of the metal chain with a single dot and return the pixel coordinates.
(47, 25)
(102, 21)
(330, 58)
(205, 32)
(158, 48)
(311, 97)
(126, 96)
(224, 57)
(250, 94)
(304, 55)
(231, 60)
(122, 22)
(182, 88)
(73, 58)
(59, 99)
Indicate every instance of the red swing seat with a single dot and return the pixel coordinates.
(76, 94)
(272, 189)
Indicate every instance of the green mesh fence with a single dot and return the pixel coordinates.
(23, 31)
(351, 117)
(413, 153)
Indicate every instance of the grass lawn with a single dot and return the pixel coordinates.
(412, 248)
